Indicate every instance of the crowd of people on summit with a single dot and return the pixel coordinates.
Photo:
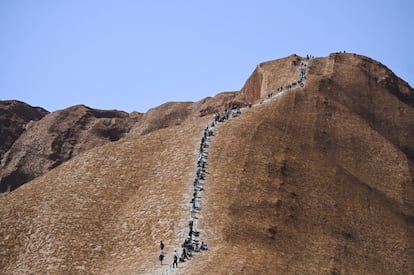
(192, 243)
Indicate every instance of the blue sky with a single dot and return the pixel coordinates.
(135, 55)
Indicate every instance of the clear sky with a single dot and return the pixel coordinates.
(135, 55)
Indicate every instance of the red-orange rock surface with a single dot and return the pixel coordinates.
(58, 137)
(14, 115)
(317, 180)
(63, 134)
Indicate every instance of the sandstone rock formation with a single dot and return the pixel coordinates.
(318, 180)
(65, 133)
(58, 137)
(14, 116)
(269, 76)
(176, 113)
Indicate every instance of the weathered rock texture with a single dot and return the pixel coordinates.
(269, 76)
(176, 113)
(14, 116)
(58, 137)
(317, 181)
(65, 133)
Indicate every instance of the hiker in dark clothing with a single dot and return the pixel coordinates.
(175, 262)
(184, 254)
(161, 245)
(204, 246)
(161, 257)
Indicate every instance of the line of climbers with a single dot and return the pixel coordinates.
(192, 243)
(295, 84)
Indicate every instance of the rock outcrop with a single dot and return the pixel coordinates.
(58, 137)
(63, 134)
(14, 116)
(176, 113)
(317, 180)
(268, 77)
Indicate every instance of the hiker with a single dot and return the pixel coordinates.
(161, 257)
(161, 245)
(175, 262)
(184, 254)
(190, 225)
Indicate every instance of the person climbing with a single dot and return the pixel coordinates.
(196, 247)
(175, 262)
(204, 246)
(161, 245)
(184, 255)
(161, 257)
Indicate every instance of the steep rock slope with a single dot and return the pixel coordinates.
(269, 76)
(318, 180)
(58, 137)
(176, 113)
(14, 115)
(65, 133)
(105, 210)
